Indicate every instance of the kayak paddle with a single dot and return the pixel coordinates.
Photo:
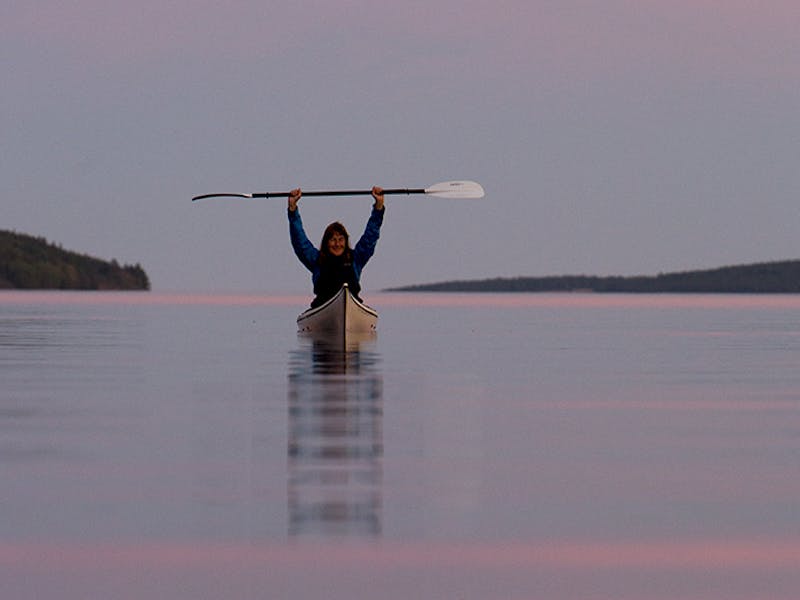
(446, 189)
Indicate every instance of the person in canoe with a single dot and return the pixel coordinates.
(335, 262)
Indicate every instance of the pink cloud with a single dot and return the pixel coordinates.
(708, 569)
(690, 554)
(715, 38)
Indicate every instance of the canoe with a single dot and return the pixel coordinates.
(343, 317)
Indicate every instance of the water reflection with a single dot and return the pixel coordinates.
(335, 444)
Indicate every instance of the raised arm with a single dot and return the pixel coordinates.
(365, 247)
(301, 245)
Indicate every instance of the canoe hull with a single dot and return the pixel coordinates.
(342, 317)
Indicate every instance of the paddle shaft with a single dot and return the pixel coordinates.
(339, 193)
(323, 193)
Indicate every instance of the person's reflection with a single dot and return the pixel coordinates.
(335, 442)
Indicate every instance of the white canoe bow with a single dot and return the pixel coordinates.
(343, 317)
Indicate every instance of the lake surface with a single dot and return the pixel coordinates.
(482, 446)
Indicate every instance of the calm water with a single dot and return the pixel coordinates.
(483, 446)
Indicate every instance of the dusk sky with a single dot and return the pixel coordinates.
(612, 137)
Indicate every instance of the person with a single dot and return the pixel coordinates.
(335, 262)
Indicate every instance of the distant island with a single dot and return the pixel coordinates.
(781, 277)
(28, 262)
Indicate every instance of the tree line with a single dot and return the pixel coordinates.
(28, 262)
(780, 277)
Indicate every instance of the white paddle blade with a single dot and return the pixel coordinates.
(456, 189)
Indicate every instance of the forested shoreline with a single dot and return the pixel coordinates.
(28, 262)
(780, 277)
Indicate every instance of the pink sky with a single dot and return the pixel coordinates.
(722, 37)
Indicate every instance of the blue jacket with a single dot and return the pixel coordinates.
(309, 254)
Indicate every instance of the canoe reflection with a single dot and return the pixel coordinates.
(335, 442)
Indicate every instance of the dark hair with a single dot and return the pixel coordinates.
(334, 227)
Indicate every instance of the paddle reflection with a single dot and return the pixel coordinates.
(335, 442)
